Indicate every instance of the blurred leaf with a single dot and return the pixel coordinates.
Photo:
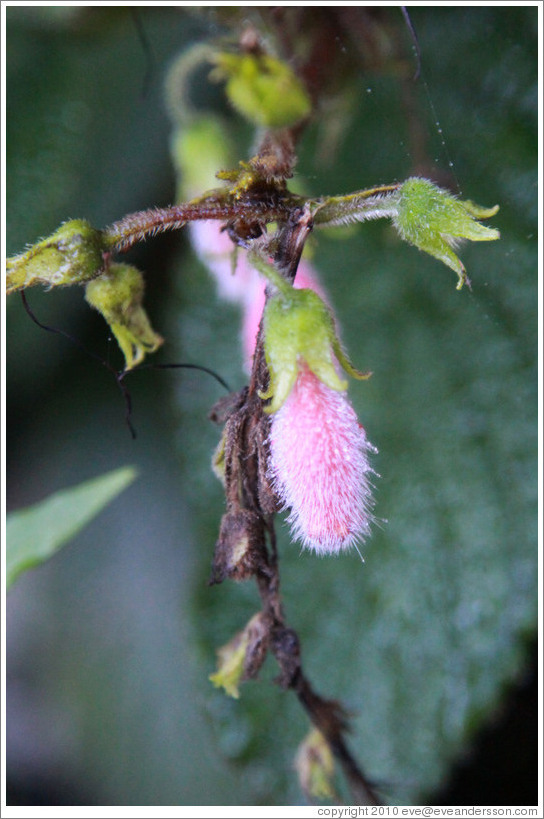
(34, 534)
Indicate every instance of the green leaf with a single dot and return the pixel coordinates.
(34, 534)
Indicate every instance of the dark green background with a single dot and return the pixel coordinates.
(111, 643)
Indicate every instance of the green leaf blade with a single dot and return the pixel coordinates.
(37, 532)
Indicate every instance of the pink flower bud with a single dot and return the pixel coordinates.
(319, 466)
(318, 451)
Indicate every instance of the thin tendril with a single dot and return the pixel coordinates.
(77, 343)
(151, 60)
(119, 376)
(180, 366)
(72, 339)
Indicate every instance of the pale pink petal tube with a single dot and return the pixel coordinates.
(319, 466)
(215, 249)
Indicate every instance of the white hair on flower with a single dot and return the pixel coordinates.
(319, 466)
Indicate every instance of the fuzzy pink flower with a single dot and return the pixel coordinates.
(319, 466)
(318, 451)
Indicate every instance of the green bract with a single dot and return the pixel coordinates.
(433, 220)
(314, 764)
(118, 295)
(263, 89)
(299, 329)
(36, 533)
(231, 665)
(241, 658)
(71, 255)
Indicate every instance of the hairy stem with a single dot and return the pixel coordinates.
(135, 227)
(359, 206)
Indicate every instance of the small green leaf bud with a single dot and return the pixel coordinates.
(71, 255)
(434, 221)
(298, 329)
(118, 295)
(242, 657)
(314, 764)
(230, 665)
(263, 89)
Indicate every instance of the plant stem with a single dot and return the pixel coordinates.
(135, 227)
(327, 715)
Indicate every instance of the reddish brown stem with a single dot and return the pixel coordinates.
(136, 227)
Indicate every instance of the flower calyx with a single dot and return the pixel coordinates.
(299, 331)
(118, 294)
(262, 88)
(434, 220)
(71, 255)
